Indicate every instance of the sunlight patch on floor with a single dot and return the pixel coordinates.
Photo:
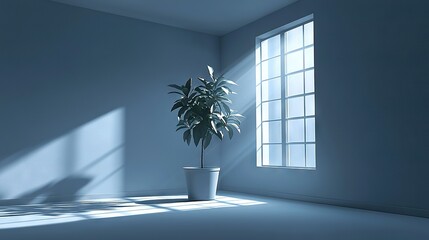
(55, 213)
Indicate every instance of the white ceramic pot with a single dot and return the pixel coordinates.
(201, 182)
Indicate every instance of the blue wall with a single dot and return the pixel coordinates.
(372, 101)
(84, 110)
(83, 102)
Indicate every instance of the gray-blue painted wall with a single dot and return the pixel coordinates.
(84, 110)
(372, 102)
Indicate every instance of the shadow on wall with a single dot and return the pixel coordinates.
(85, 161)
(63, 190)
(67, 74)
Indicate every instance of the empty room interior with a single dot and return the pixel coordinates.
(204, 119)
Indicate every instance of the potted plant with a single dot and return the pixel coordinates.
(203, 111)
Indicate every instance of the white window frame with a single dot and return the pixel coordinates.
(285, 161)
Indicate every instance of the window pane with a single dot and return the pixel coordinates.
(272, 132)
(311, 155)
(258, 137)
(308, 33)
(295, 130)
(271, 68)
(271, 89)
(258, 74)
(285, 99)
(294, 39)
(295, 107)
(258, 116)
(309, 57)
(295, 84)
(309, 105)
(258, 95)
(258, 55)
(271, 47)
(296, 155)
(271, 110)
(272, 155)
(294, 61)
(310, 130)
(309, 81)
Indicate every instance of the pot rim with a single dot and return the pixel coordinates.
(211, 169)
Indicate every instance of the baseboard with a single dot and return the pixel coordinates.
(417, 212)
(69, 198)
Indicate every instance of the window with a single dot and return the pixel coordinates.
(285, 97)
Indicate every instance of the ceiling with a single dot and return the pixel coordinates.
(216, 17)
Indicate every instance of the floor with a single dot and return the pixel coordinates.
(230, 216)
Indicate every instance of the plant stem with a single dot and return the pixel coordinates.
(202, 153)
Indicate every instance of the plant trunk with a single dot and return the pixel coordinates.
(202, 153)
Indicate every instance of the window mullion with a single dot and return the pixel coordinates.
(283, 97)
(260, 89)
(305, 117)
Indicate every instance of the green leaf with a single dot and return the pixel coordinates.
(233, 120)
(226, 108)
(207, 140)
(220, 118)
(181, 127)
(224, 99)
(228, 89)
(181, 111)
(234, 126)
(184, 101)
(176, 93)
(217, 115)
(211, 71)
(219, 125)
(195, 122)
(192, 95)
(237, 115)
(188, 84)
(187, 135)
(187, 114)
(176, 105)
(225, 90)
(196, 132)
(213, 125)
(230, 132)
(219, 134)
(203, 80)
(188, 140)
(201, 90)
(223, 81)
(181, 122)
(186, 91)
(210, 85)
